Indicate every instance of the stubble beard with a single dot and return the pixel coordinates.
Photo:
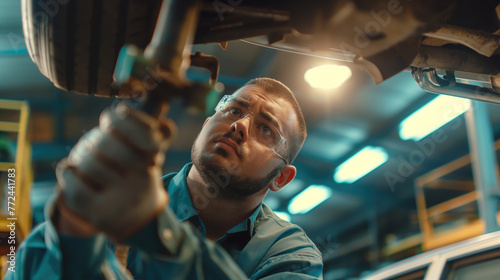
(229, 186)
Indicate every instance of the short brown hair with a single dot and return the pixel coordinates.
(278, 89)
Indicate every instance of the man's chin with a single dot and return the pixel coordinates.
(214, 162)
(212, 168)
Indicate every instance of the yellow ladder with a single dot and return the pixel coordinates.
(23, 172)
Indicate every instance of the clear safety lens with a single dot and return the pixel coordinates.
(235, 109)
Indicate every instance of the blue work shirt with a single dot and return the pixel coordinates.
(262, 246)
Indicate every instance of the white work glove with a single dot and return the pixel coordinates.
(112, 176)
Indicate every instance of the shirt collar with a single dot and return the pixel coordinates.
(247, 224)
(183, 207)
(182, 204)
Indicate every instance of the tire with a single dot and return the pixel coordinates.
(75, 43)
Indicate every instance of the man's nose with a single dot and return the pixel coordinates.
(242, 128)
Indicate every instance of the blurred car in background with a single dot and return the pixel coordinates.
(477, 258)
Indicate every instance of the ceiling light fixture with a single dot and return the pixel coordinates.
(432, 116)
(360, 164)
(328, 76)
(309, 198)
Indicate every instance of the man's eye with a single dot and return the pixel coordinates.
(267, 131)
(235, 111)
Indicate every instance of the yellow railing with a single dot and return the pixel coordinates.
(23, 172)
(434, 179)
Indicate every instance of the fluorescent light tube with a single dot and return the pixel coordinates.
(360, 164)
(309, 198)
(432, 116)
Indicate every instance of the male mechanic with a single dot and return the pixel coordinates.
(210, 223)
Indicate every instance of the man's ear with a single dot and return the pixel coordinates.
(286, 176)
(206, 121)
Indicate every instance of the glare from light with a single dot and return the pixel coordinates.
(432, 116)
(360, 164)
(328, 76)
(309, 198)
(219, 87)
(284, 215)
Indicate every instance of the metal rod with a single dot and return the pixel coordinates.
(296, 48)
(429, 81)
(173, 35)
(484, 164)
(170, 49)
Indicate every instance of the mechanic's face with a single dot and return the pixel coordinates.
(232, 153)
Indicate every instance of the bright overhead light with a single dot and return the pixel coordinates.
(360, 164)
(327, 76)
(309, 198)
(432, 116)
(284, 215)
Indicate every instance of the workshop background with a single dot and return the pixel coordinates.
(359, 224)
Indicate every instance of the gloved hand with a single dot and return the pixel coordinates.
(112, 176)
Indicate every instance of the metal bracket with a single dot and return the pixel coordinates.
(157, 74)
